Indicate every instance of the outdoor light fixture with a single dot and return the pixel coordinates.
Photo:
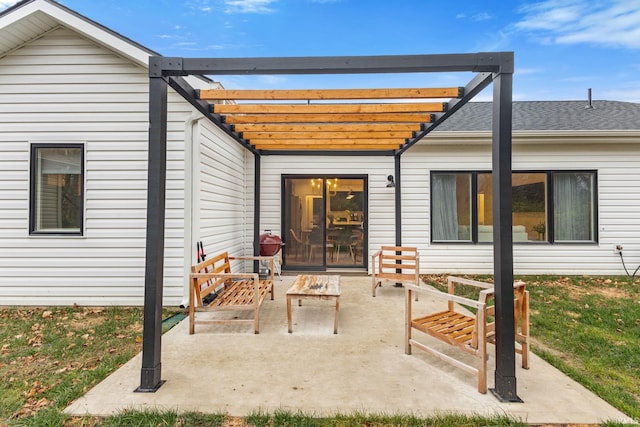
(390, 182)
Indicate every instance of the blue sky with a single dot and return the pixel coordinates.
(562, 47)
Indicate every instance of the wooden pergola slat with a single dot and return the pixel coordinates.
(328, 94)
(330, 118)
(327, 141)
(431, 107)
(327, 127)
(326, 135)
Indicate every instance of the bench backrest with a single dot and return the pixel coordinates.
(520, 312)
(400, 263)
(217, 264)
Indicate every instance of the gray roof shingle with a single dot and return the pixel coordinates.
(549, 115)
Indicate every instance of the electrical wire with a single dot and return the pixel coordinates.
(625, 267)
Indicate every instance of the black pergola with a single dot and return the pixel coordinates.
(490, 68)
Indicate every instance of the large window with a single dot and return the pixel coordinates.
(56, 189)
(550, 207)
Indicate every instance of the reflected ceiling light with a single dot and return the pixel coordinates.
(390, 182)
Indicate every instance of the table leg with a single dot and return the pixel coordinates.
(289, 313)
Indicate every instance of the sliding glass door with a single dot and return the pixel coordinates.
(324, 221)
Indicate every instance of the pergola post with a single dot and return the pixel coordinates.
(505, 377)
(150, 378)
(398, 189)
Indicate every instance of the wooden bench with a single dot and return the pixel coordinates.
(461, 328)
(399, 264)
(213, 287)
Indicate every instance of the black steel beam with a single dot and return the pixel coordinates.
(505, 376)
(474, 62)
(182, 87)
(326, 153)
(150, 378)
(475, 86)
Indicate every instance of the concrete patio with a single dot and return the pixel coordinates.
(361, 369)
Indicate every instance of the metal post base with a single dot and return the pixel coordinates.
(510, 399)
(149, 390)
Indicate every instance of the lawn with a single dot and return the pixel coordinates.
(589, 327)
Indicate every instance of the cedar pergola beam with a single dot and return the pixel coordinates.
(330, 118)
(430, 107)
(326, 135)
(330, 127)
(327, 94)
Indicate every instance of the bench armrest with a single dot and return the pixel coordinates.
(445, 296)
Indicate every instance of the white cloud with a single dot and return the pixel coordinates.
(248, 6)
(606, 23)
(482, 16)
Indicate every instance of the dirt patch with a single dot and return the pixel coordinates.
(611, 293)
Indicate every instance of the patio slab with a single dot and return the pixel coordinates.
(361, 369)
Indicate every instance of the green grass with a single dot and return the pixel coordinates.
(588, 327)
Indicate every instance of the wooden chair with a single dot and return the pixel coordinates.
(468, 332)
(399, 264)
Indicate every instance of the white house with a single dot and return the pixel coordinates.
(74, 102)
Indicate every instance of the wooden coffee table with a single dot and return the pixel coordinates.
(323, 287)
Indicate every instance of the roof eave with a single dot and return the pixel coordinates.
(537, 137)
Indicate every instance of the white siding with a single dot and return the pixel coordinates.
(618, 173)
(65, 88)
(222, 220)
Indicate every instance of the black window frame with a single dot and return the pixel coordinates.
(33, 179)
(550, 238)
